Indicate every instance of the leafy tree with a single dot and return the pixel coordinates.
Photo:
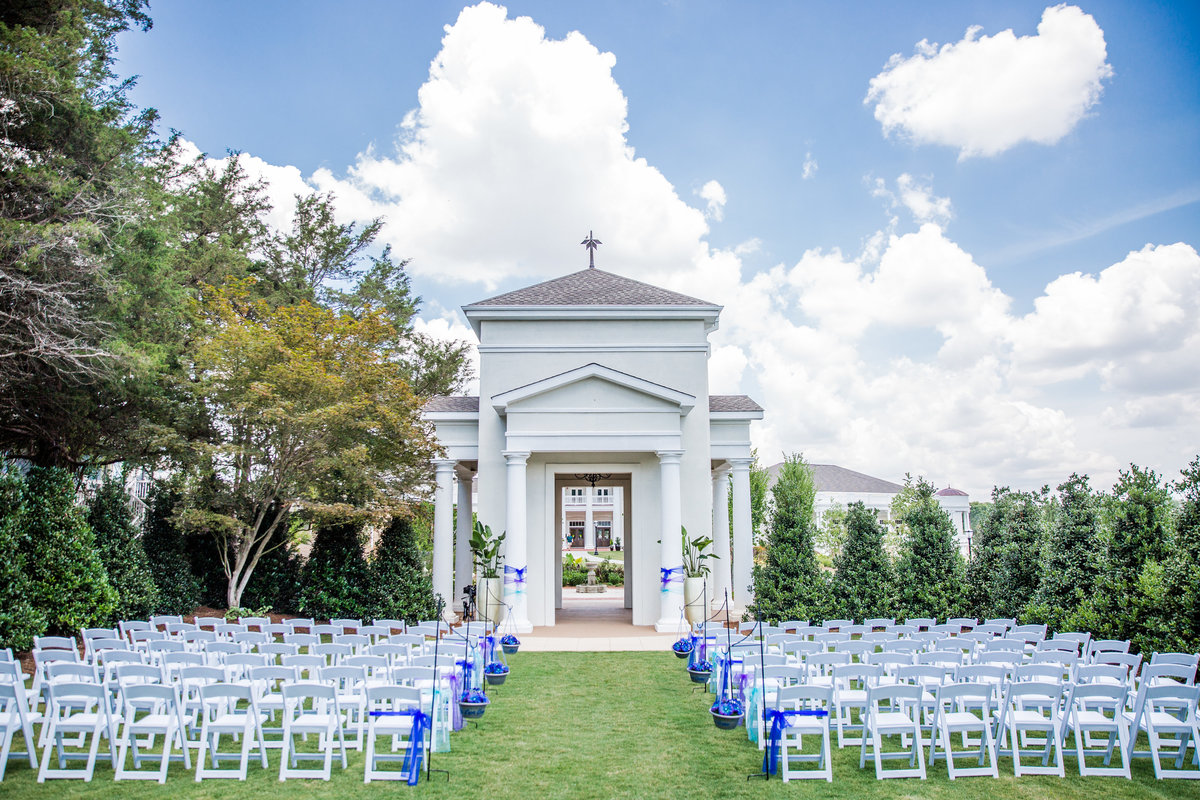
(276, 580)
(1003, 573)
(121, 552)
(929, 570)
(68, 583)
(400, 586)
(863, 582)
(336, 580)
(1183, 566)
(1070, 555)
(72, 156)
(1130, 595)
(19, 620)
(832, 532)
(167, 550)
(306, 411)
(790, 584)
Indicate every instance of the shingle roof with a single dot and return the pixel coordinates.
(952, 492)
(454, 403)
(832, 478)
(716, 402)
(732, 402)
(591, 287)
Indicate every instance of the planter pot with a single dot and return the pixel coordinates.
(693, 599)
(681, 653)
(495, 678)
(509, 649)
(491, 598)
(726, 722)
(700, 675)
(472, 710)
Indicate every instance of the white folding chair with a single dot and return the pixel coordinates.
(150, 710)
(954, 712)
(851, 683)
(1166, 713)
(78, 708)
(1032, 706)
(392, 711)
(14, 719)
(893, 710)
(816, 703)
(349, 682)
(1096, 708)
(310, 708)
(267, 684)
(228, 709)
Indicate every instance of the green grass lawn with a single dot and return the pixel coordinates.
(605, 725)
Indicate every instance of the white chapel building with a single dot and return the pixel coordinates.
(597, 381)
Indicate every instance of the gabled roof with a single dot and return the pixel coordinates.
(468, 404)
(684, 400)
(832, 478)
(590, 287)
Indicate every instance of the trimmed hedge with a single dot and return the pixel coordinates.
(120, 550)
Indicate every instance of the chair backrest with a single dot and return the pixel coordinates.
(149, 695)
(54, 643)
(279, 649)
(1082, 637)
(355, 640)
(209, 622)
(948, 658)
(1007, 622)
(793, 625)
(992, 630)
(1097, 696)
(412, 675)
(44, 657)
(879, 622)
(393, 625)
(879, 637)
(926, 675)
(173, 663)
(192, 675)
(784, 674)
(1132, 662)
(332, 653)
(855, 676)
(159, 647)
(69, 672)
(1038, 631)
(1004, 658)
(1163, 672)
(255, 622)
(375, 632)
(227, 630)
(1044, 673)
(393, 696)
(890, 662)
(1004, 645)
(308, 640)
(1111, 674)
(837, 624)
(990, 674)
(1057, 645)
(250, 638)
(305, 664)
(903, 646)
(377, 666)
(856, 648)
(921, 622)
(830, 640)
(221, 650)
(213, 695)
(962, 622)
(823, 663)
(809, 631)
(328, 630)
(1181, 659)
(977, 695)
(903, 630)
(275, 629)
(897, 695)
(300, 623)
(71, 692)
(1065, 659)
(272, 678)
(137, 671)
(344, 678)
(855, 630)
(1046, 692)
(162, 620)
(804, 696)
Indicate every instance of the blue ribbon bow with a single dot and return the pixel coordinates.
(670, 575)
(416, 736)
(779, 720)
(515, 576)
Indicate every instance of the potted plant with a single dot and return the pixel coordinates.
(472, 703)
(495, 672)
(617, 544)
(700, 671)
(510, 643)
(485, 550)
(695, 570)
(682, 647)
(727, 713)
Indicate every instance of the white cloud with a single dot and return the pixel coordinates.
(713, 193)
(810, 167)
(902, 358)
(986, 94)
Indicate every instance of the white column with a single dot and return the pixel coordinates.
(671, 553)
(589, 522)
(462, 534)
(722, 567)
(443, 532)
(516, 560)
(743, 537)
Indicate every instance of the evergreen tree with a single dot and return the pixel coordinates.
(1004, 566)
(121, 552)
(1070, 555)
(1130, 596)
(929, 570)
(791, 585)
(336, 580)
(863, 582)
(19, 620)
(400, 586)
(166, 549)
(1183, 566)
(68, 583)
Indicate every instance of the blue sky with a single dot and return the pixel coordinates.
(892, 267)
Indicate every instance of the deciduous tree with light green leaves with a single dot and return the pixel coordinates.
(307, 411)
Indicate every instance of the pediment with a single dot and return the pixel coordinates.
(596, 388)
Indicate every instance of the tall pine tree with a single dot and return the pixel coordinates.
(929, 570)
(1070, 555)
(863, 582)
(791, 585)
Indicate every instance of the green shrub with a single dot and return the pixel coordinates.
(67, 580)
(929, 571)
(19, 620)
(574, 577)
(400, 586)
(336, 579)
(863, 583)
(121, 552)
(610, 573)
(166, 549)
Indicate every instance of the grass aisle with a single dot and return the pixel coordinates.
(604, 725)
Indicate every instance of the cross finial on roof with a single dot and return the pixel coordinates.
(591, 243)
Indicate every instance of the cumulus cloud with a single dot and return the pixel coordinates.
(903, 357)
(713, 194)
(986, 94)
